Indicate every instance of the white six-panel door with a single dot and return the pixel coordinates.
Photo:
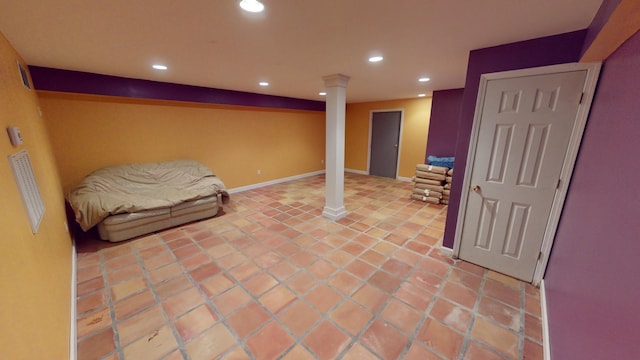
(525, 127)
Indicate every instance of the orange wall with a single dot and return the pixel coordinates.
(88, 132)
(35, 269)
(415, 126)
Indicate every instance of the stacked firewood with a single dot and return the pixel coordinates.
(447, 187)
(428, 184)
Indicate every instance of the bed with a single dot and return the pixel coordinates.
(129, 200)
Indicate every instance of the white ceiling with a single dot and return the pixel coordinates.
(292, 44)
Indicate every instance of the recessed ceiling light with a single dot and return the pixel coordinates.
(375, 59)
(424, 79)
(322, 93)
(253, 6)
(263, 83)
(159, 67)
(422, 95)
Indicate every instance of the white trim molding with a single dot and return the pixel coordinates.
(298, 177)
(592, 73)
(273, 182)
(546, 347)
(445, 251)
(354, 171)
(73, 342)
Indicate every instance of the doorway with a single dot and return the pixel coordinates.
(385, 143)
(524, 142)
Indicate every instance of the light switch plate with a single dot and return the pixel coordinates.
(14, 135)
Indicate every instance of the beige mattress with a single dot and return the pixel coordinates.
(129, 200)
(133, 188)
(129, 225)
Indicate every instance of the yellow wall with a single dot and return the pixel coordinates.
(88, 132)
(35, 269)
(415, 126)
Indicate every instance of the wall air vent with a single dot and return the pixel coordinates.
(24, 76)
(26, 180)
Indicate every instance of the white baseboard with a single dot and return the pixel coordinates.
(361, 172)
(273, 182)
(73, 344)
(334, 214)
(445, 251)
(297, 177)
(354, 171)
(545, 322)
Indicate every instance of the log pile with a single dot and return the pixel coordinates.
(428, 184)
(447, 187)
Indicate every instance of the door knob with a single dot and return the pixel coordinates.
(396, 145)
(476, 188)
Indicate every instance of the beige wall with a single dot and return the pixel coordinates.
(89, 132)
(35, 269)
(415, 126)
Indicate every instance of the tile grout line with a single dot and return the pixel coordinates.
(298, 340)
(492, 321)
(273, 315)
(151, 287)
(181, 344)
(411, 338)
(521, 333)
(325, 315)
(420, 323)
(377, 316)
(467, 335)
(425, 316)
(221, 318)
(112, 306)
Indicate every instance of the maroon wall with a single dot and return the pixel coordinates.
(557, 49)
(592, 285)
(443, 124)
(98, 84)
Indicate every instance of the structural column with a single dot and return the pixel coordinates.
(336, 102)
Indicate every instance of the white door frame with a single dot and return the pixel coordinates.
(371, 112)
(593, 71)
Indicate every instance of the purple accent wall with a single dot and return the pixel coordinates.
(599, 20)
(443, 124)
(89, 83)
(551, 50)
(591, 282)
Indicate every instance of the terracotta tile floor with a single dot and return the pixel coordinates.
(272, 279)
